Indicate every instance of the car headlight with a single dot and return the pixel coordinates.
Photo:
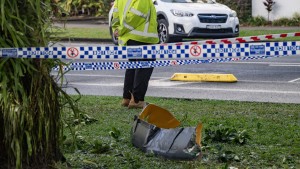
(181, 13)
(232, 14)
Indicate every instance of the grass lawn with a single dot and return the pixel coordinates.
(273, 130)
(82, 33)
(244, 33)
(103, 33)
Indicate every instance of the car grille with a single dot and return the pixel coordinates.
(203, 30)
(212, 18)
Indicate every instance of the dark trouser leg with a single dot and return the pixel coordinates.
(140, 85)
(128, 83)
(136, 80)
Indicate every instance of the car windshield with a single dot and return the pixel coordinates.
(188, 1)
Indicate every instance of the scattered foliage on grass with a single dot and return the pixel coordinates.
(235, 134)
(226, 135)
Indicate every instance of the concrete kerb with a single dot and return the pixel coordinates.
(80, 18)
(99, 40)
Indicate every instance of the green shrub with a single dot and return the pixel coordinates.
(261, 21)
(243, 8)
(281, 22)
(104, 7)
(296, 19)
(257, 21)
(85, 8)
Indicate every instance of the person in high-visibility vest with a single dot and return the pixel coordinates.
(135, 23)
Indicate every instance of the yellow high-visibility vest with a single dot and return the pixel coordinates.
(135, 20)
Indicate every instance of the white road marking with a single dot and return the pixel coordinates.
(173, 86)
(269, 63)
(294, 80)
(96, 84)
(118, 76)
(255, 81)
(286, 65)
(234, 90)
(154, 83)
(266, 63)
(165, 83)
(167, 78)
(92, 75)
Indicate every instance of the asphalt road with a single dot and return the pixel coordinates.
(267, 80)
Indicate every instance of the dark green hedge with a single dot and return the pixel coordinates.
(242, 7)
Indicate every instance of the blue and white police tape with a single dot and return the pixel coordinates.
(79, 66)
(169, 51)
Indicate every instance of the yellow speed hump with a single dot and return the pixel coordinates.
(203, 77)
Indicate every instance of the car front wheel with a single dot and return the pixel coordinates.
(163, 32)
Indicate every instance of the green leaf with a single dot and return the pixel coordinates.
(29, 146)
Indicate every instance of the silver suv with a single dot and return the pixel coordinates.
(178, 19)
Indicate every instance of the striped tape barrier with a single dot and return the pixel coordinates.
(80, 66)
(243, 39)
(186, 51)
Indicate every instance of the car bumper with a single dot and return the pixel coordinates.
(208, 33)
(194, 29)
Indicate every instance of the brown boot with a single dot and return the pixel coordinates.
(125, 102)
(133, 105)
